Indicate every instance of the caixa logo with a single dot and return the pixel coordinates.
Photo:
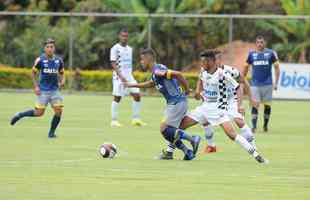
(295, 80)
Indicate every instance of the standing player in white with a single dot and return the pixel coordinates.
(121, 61)
(235, 109)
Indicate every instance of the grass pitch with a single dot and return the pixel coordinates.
(34, 167)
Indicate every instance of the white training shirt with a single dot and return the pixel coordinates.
(215, 86)
(123, 58)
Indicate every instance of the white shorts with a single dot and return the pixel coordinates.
(232, 110)
(209, 112)
(120, 90)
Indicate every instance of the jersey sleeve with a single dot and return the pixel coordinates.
(163, 71)
(113, 54)
(274, 57)
(37, 65)
(249, 59)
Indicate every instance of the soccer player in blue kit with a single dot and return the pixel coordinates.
(169, 83)
(261, 60)
(51, 79)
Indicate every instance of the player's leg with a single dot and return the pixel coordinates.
(57, 105)
(42, 101)
(256, 95)
(230, 132)
(136, 107)
(118, 90)
(245, 130)
(267, 98)
(209, 135)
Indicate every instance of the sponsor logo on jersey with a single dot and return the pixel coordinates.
(50, 70)
(261, 62)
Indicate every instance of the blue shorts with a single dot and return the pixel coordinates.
(49, 97)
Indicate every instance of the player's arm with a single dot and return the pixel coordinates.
(199, 88)
(61, 75)
(113, 58)
(147, 84)
(35, 69)
(178, 75)
(239, 92)
(277, 74)
(247, 90)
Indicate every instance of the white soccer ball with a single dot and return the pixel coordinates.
(108, 150)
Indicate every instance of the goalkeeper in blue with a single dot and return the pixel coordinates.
(51, 77)
(170, 83)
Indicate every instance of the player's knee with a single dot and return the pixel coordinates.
(58, 111)
(39, 112)
(240, 123)
(117, 99)
(163, 127)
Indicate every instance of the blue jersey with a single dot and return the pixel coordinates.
(167, 86)
(49, 70)
(261, 63)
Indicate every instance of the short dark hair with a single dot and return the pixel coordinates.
(216, 51)
(148, 51)
(49, 41)
(209, 53)
(260, 37)
(123, 30)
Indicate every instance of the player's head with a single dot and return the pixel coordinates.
(208, 59)
(147, 58)
(49, 47)
(123, 36)
(260, 42)
(218, 57)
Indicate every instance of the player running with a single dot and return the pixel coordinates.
(235, 109)
(262, 85)
(169, 83)
(51, 79)
(121, 61)
(214, 82)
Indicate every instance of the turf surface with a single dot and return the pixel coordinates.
(69, 167)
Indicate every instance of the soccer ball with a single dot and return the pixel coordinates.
(108, 150)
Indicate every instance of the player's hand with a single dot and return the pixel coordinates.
(197, 96)
(254, 103)
(61, 84)
(275, 86)
(241, 109)
(187, 92)
(37, 90)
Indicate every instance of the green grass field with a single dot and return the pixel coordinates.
(69, 167)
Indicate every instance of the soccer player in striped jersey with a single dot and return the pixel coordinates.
(235, 109)
(51, 79)
(169, 83)
(262, 85)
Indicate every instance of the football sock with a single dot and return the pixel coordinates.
(114, 110)
(267, 111)
(246, 145)
(28, 113)
(254, 117)
(169, 133)
(246, 132)
(170, 147)
(209, 135)
(185, 136)
(136, 105)
(54, 124)
(180, 145)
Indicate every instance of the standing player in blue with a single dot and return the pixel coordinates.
(51, 78)
(262, 85)
(168, 83)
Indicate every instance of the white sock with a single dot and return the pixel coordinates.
(170, 148)
(114, 110)
(246, 145)
(246, 132)
(136, 106)
(209, 135)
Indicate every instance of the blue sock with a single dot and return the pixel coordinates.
(54, 124)
(185, 136)
(28, 113)
(169, 133)
(180, 145)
